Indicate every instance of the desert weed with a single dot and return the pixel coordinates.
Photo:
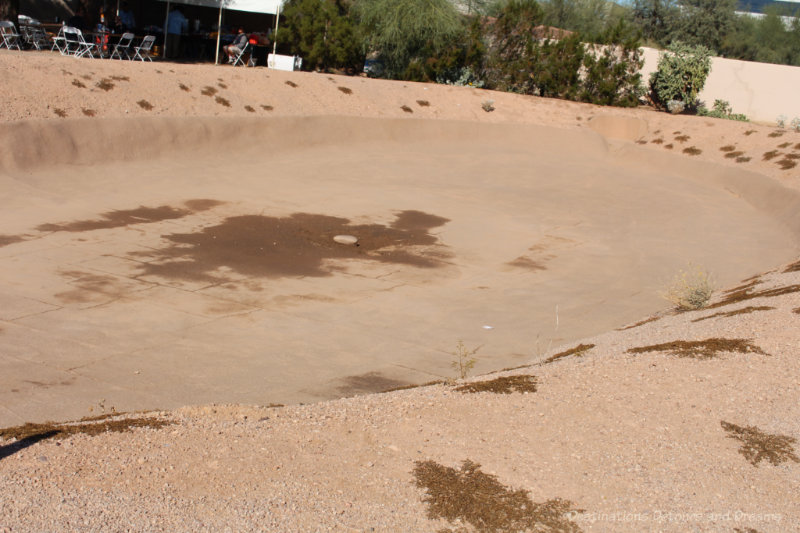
(464, 359)
(690, 289)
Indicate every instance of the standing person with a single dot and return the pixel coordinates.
(235, 48)
(176, 25)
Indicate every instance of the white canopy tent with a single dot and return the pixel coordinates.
(270, 7)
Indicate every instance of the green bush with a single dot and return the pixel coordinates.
(680, 75)
(722, 109)
(322, 32)
(612, 71)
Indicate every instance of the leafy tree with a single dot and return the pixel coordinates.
(705, 22)
(680, 75)
(512, 44)
(657, 19)
(612, 74)
(322, 33)
(407, 31)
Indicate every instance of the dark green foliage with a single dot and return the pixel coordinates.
(612, 71)
(681, 74)
(408, 32)
(722, 109)
(322, 33)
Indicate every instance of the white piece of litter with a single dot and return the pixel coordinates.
(488, 327)
(345, 239)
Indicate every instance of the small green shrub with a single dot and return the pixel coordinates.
(722, 109)
(690, 289)
(681, 73)
(464, 359)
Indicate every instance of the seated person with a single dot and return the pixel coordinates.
(235, 48)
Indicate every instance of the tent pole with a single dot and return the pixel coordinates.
(166, 21)
(219, 33)
(275, 37)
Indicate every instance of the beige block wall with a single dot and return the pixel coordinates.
(761, 91)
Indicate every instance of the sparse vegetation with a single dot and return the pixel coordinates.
(78, 83)
(291, 84)
(577, 351)
(96, 425)
(501, 385)
(692, 150)
(60, 112)
(249, 109)
(144, 104)
(787, 164)
(640, 323)
(345, 90)
(734, 155)
(690, 289)
(705, 349)
(470, 496)
(184, 87)
(727, 148)
(743, 311)
(208, 91)
(464, 359)
(722, 109)
(89, 112)
(680, 75)
(423, 103)
(222, 85)
(759, 446)
(487, 105)
(222, 101)
(406, 109)
(682, 138)
(772, 154)
(267, 107)
(743, 159)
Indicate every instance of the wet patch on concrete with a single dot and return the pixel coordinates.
(297, 245)
(5, 240)
(90, 287)
(128, 217)
(368, 383)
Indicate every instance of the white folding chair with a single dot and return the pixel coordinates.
(76, 45)
(239, 59)
(144, 50)
(35, 37)
(59, 42)
(10, 37)
(123, 46)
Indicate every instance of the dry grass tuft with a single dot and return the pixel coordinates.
(772, 154)
(112, 422)
(669, 146)
(794, 267)
(267, 107)
(727, 148)
(745, 292)
(577, 351)
(222, 101)
(692, 150)
(501, 385)
(776, 134)
(784, 145)
(758, 446)
(208, 91)
(115, 77)
(742, 311)
(407, 387)
(706, 349)
(641, 141)
(184, 87)
(787, 164)
(89, 112)
(60, 112)
(105, 84)
(291, 84)
(144, 104)
(682, 138)
(250, 109)
(749, 132)
(345, 90)
(406, 109)
(743, 159)
(469, 496)
(658, 141)
(690, 289)
(78, 83)
(734, 155)
(796, 310)
(222, 85)
(423, 103)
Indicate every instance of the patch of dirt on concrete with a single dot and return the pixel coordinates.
(758, 446)
(297, 245)
(577, 351)
(469, 496)
(705, 349)
(794, 267)
(502, 385)
(113, 422)
(743, 311)
(527, 263)
(127, 217)
(5, 240)
(368, 383)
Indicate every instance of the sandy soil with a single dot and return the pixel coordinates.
(138, 274)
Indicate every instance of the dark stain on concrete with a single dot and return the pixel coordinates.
(5, 240)
(368, 383)
(297, 245)
(128, 217)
